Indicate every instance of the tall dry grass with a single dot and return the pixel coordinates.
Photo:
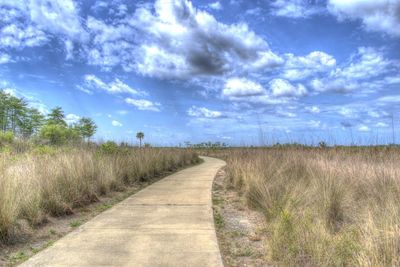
(324, 207)
(37, 184)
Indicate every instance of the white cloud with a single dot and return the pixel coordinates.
(216, 5)
(294, 8)
(389, 99)
(143, 104)
(334, 85)
(122, 112)
(283, 88)
(31, 23)
(111, 44)
(381, 125)
(179, 41)
(358, 74)
(204, 112)
(57, 16)
(4, 58)
(285, 113)
(116, 123)
(241, 87)
(72, 118)
(376, 15)
(363, 128)
(17, 36)
(298, 67)
(69, 50)
(347, 112)
(367, 63)
(115, 87)
(313, 109)
(392, 79)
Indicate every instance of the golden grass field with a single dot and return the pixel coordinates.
(323, 206)
(53, 181)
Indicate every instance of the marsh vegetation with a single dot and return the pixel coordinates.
(322, 206)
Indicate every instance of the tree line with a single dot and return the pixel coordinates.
(18, 118)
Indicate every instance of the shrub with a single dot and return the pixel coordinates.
(109, 147)
(6, 137)
(59, 134)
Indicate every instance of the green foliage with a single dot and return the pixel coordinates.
(109, 147)
(207, 145)
(6, 137)
(140, 136)
(75, 223)
(59, 134)
(17, 117)
(87, 127)
(56, 117)
(44, 150)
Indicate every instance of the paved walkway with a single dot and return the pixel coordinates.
(169, 223)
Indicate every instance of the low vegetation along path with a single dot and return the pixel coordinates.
(169, 223)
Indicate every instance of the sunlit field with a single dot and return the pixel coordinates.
(323, 206)
(51, 181)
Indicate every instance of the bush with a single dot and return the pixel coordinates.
(6, 137)
(109, 147)
(59, 134)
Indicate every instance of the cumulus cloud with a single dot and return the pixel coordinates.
(57, 16)
(111, 44)
(283, 88)
(381, 125)
(115, 87)
(203, 112)
(143, 104)
(376, 15)
(300, 67)
(18, 36)
(358, 74)
(215, 5)
(295, 8)
(240, 87)
(363, 128)
(313, 109)
(367, 63)
(72, 118)
(180, 41)
(389, 99)
(32, 22)
(116, 123)
(4, 58)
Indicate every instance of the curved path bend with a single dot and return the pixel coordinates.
(169, 223)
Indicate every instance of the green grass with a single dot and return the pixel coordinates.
(75, 224)
(18, 257)
(218, 219)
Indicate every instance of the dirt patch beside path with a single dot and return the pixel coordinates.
(240, 231)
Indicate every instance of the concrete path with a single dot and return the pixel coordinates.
(169, 223)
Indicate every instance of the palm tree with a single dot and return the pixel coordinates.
(140, 136)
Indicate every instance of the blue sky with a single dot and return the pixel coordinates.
(235, 71)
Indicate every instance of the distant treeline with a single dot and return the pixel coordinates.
(18, 119)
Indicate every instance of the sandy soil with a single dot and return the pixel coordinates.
(240, 231)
